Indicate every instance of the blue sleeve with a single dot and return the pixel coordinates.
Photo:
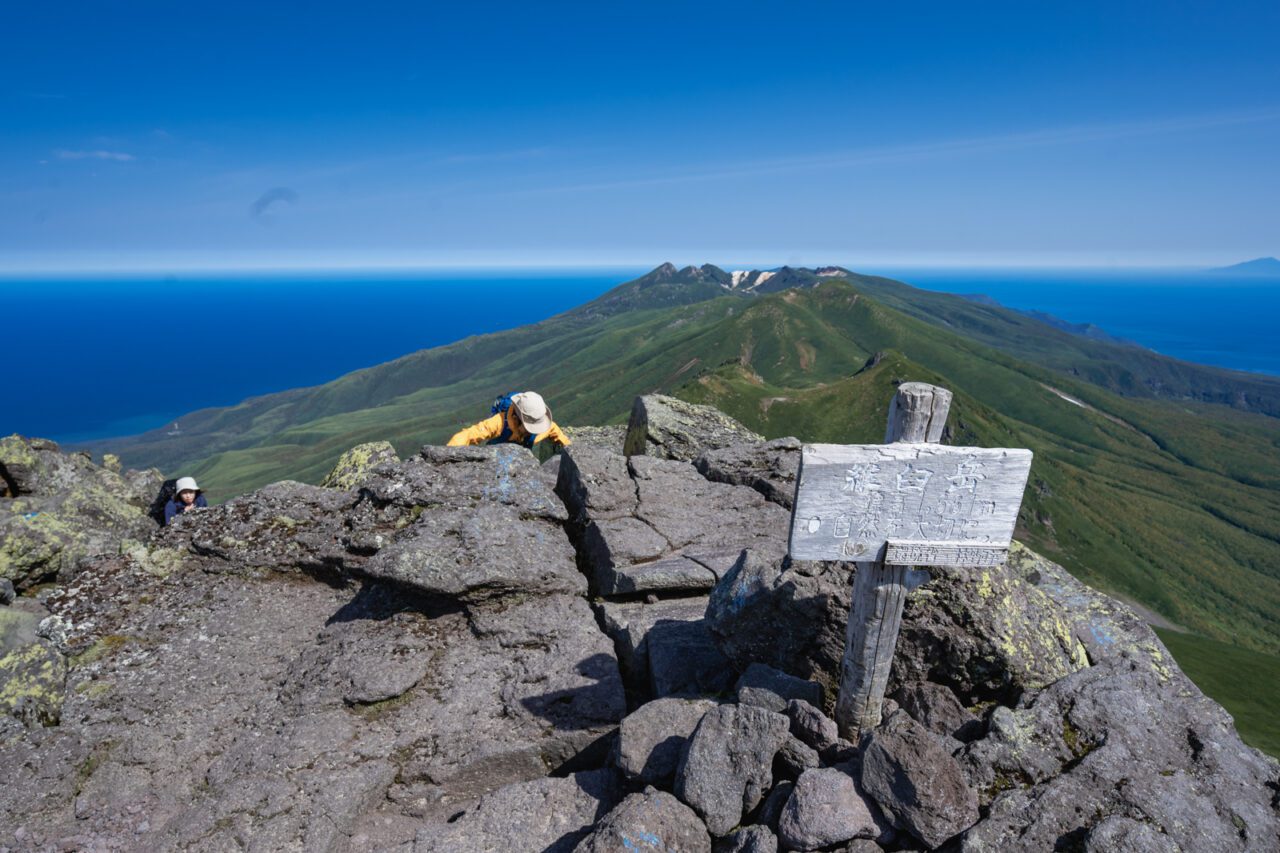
(200, 501)
(170, 510)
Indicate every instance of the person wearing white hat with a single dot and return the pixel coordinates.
(521, 418)
(186, 496)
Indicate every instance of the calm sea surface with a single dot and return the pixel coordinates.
(1224, 321)
(95, 358)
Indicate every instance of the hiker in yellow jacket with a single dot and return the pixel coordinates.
(521, 418)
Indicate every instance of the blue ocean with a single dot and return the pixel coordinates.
(93, 358)
(1221, 320)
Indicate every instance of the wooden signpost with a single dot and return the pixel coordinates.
(890, 508)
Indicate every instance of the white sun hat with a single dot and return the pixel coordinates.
(533, 412)
(186, 483)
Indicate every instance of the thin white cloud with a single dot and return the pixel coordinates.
(97, 154)
(911, 152)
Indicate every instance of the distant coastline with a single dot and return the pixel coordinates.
(119, 367)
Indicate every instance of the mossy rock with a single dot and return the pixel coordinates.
(354, 465)
(33, 682)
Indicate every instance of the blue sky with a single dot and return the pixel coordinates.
(158, 135)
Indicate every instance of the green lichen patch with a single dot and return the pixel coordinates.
(101, 649)
(376, 710)
(33, 684)
(354, 465)
(99, 754)
(158, 561)
(91, 689)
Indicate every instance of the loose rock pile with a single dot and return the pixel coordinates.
(446, 653)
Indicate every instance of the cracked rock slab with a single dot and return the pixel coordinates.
(480, 552)
(657, 525)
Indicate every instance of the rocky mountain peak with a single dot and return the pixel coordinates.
(468, 650)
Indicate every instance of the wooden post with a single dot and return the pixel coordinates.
(917, 414)
(891, 507)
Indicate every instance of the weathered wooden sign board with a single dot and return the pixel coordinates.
(907, 504)
(890, 507)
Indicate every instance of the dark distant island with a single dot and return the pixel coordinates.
(1257, 268)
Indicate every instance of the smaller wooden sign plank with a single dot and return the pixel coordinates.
(960, 554)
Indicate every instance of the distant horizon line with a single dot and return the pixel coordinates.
(178, 267)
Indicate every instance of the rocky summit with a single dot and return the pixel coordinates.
(466, 650)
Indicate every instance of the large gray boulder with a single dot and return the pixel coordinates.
(548, 815)
(57, 508)
(670, 428)
(987, 635)
(664, 647)
(1128, 736)
(938, 710)
(652, 738)
(649, 820)
(826, 808)
(770, 468)
(916, 782)
(684, 660)
(788, 615)
(726, 768)
(628, 624)
(810, 725)
(287, 526)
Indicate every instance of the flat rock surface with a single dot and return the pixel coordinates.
(479, 552)
(462, 476)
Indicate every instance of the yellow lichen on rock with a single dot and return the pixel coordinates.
(155, 560)
(32, 684)
(354, 465)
